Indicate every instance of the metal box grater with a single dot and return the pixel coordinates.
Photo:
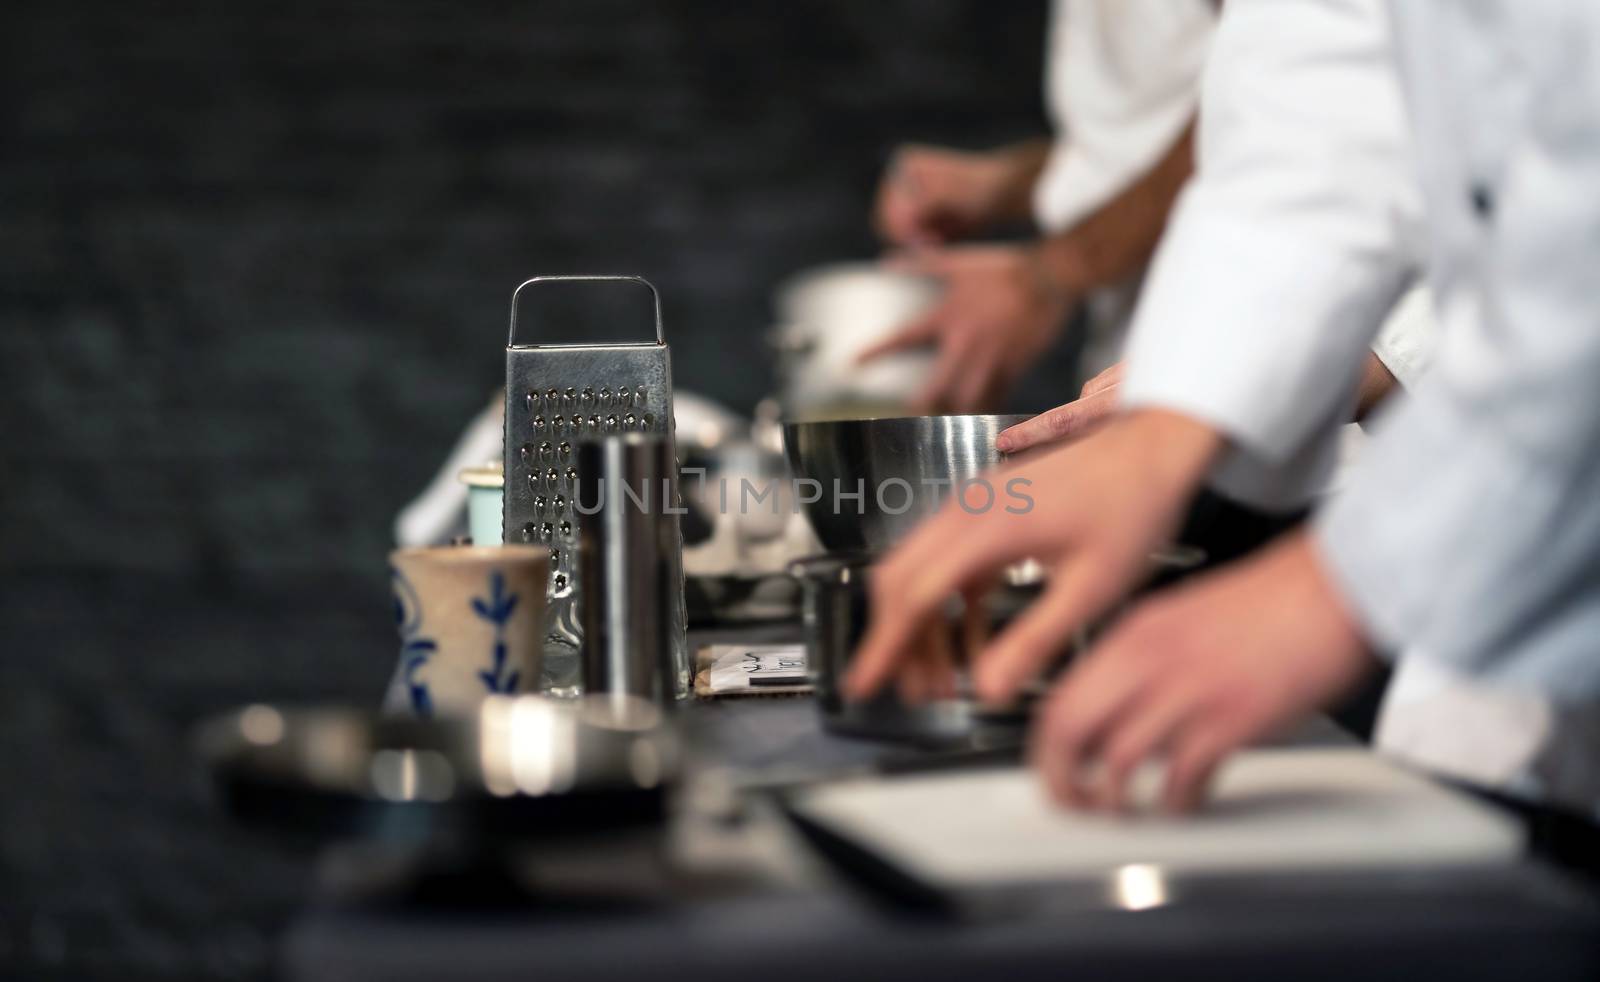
(558, 395)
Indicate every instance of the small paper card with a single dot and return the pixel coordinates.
(760, 669)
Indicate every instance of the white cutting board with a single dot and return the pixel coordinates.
(1270, 810)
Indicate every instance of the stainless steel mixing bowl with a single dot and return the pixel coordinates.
(904, 468)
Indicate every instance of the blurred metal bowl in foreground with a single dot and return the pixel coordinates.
(523, 767)
(877, 478)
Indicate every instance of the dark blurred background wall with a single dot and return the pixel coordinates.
(254, 265)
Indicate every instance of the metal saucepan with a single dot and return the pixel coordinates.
(903, 468)
(836, 613)
(836, 608)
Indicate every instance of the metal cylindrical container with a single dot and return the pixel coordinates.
(837, 608)
(836, 614)
(630, 564)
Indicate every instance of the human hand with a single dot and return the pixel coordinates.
(1095, 510)
(931, 195)
(1096, 403)
(1195, 672)
(999, 311)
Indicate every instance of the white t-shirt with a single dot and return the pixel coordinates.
(1121, 82)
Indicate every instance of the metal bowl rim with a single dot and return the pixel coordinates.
(999, 417)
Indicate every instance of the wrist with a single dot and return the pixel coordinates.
(1309, 588)
(1178, 450)
(1063, 265)
(1046, 280)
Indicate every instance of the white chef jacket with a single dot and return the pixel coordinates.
(1122, 80)
(1457, 723)
(1471, 527)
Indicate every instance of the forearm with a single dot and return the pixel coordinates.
(1118, 238)
(1189, 446)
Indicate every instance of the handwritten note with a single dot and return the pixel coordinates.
(734, 669)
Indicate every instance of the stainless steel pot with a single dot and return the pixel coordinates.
(901, 468)
(837, 610)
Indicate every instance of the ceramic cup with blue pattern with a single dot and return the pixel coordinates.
(470, 621)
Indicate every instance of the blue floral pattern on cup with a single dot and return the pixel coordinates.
(497, 608)
(415, 648)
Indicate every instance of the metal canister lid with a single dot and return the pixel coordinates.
(490, 475)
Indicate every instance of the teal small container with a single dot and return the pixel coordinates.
(485, 490)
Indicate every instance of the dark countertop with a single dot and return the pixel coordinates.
(1524, 920)
(1519, 925)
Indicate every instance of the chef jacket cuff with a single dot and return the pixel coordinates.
(1254, 330)
(1280, 486)
(1405, 345)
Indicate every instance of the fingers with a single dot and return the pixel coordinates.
(941, 662)
(914, 681)
(1077, 592)
(1105, 380)
(975, 625)
(928, 671)
(1061, 423)
(1087, 764)
(1190, 676)
(909, 588)
(1192, 763)
(919, 332)
(908, 675)
(931, 261)
(1152, 724)
(1115, 709)
(978, 382)
(895, 215)
(1048, 743)
(1083, 710)
(901, 210)
(911, 679)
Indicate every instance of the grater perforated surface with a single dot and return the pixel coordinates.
(558, 395)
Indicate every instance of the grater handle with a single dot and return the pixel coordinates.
(661, 336)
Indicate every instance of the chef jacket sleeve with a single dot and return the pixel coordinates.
(1293, 240)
